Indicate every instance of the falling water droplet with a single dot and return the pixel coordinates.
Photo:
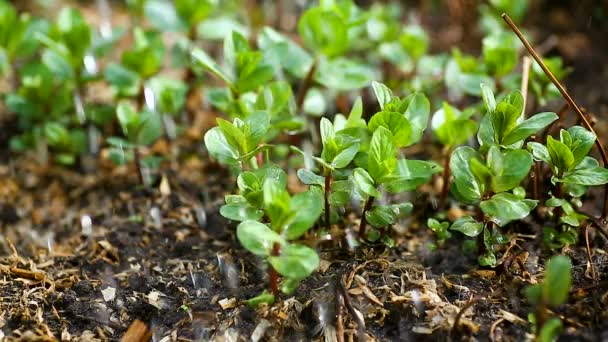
(170, 127)
(79, 106)
(90, 64)
(156, 217)
(193, 278)
(105, 13)
(229, 272)
(417, 299)
(93, 133)
(86, 225)
(351, 239)
(201, 216)
(308, 150)
(149, 98)
(50, 241)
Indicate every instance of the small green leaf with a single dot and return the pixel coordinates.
(257, 238)
(529, 127)
(465, 186)
(560, 154)
(506, 207)
(488, 98)
(417, 113)
(219, 147)
(343, 74)
(303, 220)
(202, 60)
(323, 31)
(539, 152)
(382, 159)
(380, 216)
(396, 123)
(365, 183)
(468, 226)
(383, 94)
(557, 282)
(296, 261)
(310, 178)
(582, 142)
(262, 298)
(510, 168)
(550, 330)
(240, 212)
(588, 177)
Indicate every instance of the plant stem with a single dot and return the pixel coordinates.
(535, 177)
(306, 84)
(190, 77)
(446, 178)
(327, 191)
(568, 99)
(137, 157)
(363, 224)
(273, 275)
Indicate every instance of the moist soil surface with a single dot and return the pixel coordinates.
(164, 257)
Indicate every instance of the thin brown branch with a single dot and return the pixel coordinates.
(525, 76)
(567, 97)
(306, 84)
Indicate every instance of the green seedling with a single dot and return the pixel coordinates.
(17, 39)
(273, 241)
(573, 172)
(504, 125)
(42, 105)
(138, 64)
(170, 98)
(400, 123)
(249, 203)
(339, 149)
(238, 143)
(441, 229)
(384, 171)
(140, 129)
(550, 294)
(245, 69)
(491, 177)
(491, 182)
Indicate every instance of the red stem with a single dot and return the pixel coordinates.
(363, 224)
(273, 275)
(327, 190)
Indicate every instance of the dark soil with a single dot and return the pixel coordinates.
(185, 276)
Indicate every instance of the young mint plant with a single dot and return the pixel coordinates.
(17, 39)
(39, 101)
(492, 183)
(383, 171)
(573, 171)
(400, 123)
(245, 69)
(170, 99)
(551, 293)
(140, 129)
(238, 143)
(138, 64)
(287, 222)
(503, 124)
(249, 203)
